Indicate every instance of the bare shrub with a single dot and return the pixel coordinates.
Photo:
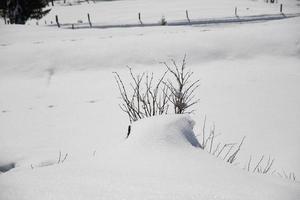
(60, 159)
(262, 166)
(144, 96)
(182, 95)
(226, 151)
(290, 176)
(229, 153)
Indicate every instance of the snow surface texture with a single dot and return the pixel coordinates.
(126, 12)
(58, 95)
(154, 163)
(178, 133)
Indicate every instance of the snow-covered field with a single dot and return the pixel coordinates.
(58, 94)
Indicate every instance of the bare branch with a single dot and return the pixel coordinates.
(258, 164)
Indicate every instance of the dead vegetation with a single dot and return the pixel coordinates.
(145, 96)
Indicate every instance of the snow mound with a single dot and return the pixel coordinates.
(167, 131)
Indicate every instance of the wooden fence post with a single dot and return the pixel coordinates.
(235, 11)
(280, 8)
(139, 15)
(187, 16)
(57, 22)
(89, 19)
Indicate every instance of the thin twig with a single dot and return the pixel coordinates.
(258, 164)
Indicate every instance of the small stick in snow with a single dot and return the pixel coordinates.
(59, 157)
(57, 22)
(89, 19)
(258, 164)
(187, 16)
(235, 12)
(249, 163)
(129, 130)
(203, 133)
(64, 158)
(140, 18)
(232, 158)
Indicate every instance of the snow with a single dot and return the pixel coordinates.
(179, 133)
(161, 168)
(58, 94)
(120, 12)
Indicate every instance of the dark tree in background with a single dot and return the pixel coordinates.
(19, 11)
(3, 9)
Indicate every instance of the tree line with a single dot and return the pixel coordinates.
(19, 11)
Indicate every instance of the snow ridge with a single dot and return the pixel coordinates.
(164, 132)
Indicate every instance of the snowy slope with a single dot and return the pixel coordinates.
(124, 12)
(58, 94)
(154, 163)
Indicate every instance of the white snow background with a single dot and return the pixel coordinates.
(58, 94)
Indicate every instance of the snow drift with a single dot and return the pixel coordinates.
(59, 95)
(158, 161)
(174, 131)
